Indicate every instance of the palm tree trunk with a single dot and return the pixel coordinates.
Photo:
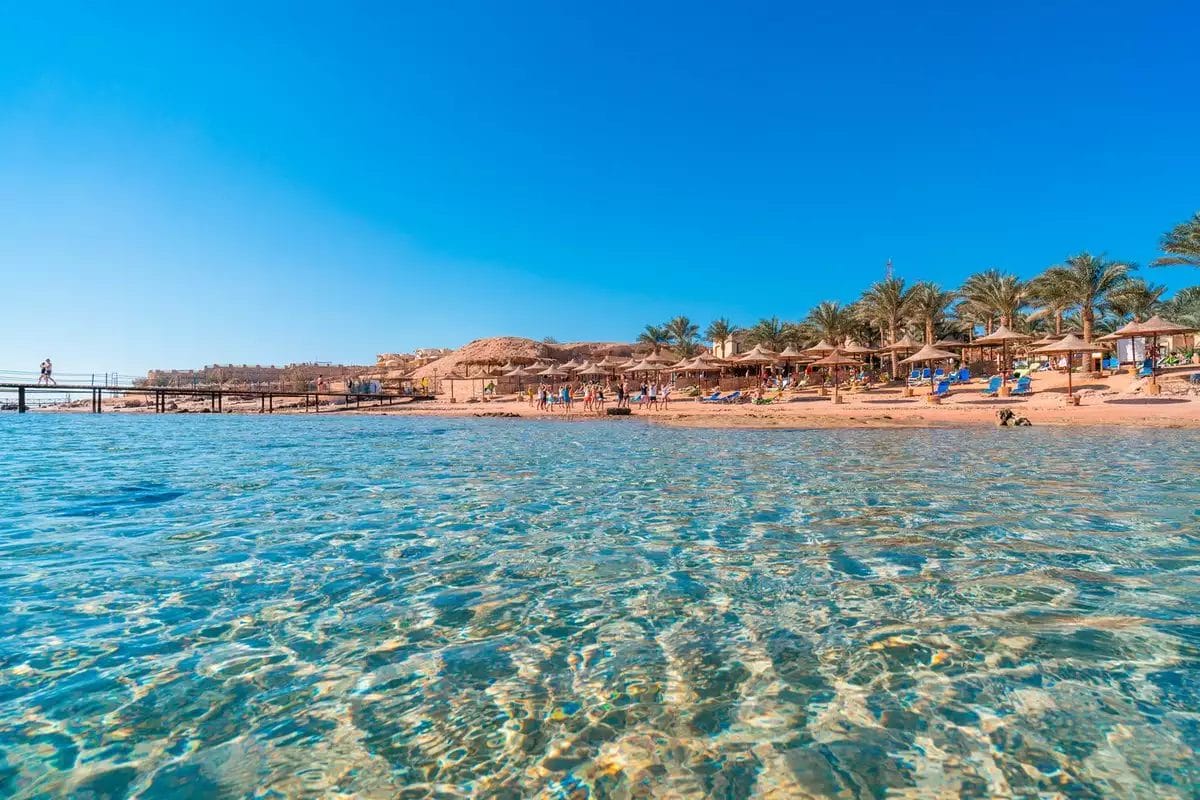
(1058, 319)
(929, 330)
(895, 355)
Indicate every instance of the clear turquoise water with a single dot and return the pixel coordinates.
(299, 607)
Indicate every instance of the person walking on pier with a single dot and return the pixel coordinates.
(47, 376)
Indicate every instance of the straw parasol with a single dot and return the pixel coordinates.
(657, 358)
(593, 369)
(518, 373)
(1155, 327)
(1002, 336)
(759, 355)
(950, 344)
(1069, 345)
(452, 376)
(927, 355)
(835, 359)
(553, 372)
(789, 354)
(821, 348)
(855, 349)
(905, 344)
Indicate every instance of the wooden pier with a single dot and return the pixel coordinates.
(215, 397)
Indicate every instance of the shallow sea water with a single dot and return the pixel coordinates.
(213, 607)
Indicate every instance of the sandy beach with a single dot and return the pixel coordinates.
(1111, 400)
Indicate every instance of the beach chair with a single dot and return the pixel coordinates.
(939, 374)
(914, 377)
(715, 397)
(732, 397)
(1147, 368)
(993, 387)
(1024, 386)
(964, 375)
(942, 389)
(1112, 363)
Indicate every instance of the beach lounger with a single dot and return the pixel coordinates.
(942, 389)
(715, 397)
(939, 374)
(1147, 368)
(961, 376)
(1024, 386)
(914, 377)
(733, 397)
(993, 387)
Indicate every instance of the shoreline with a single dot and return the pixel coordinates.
(1119, 400)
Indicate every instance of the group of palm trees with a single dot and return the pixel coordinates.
(1086, 293)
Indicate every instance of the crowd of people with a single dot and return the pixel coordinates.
(594, 396)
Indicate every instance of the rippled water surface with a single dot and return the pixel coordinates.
(299, 607)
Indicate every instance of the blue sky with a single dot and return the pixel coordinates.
(267, 183)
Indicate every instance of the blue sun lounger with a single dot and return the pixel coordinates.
(1024, 386)
(731, 398)
(715, 397)
(993, 387)
(942, 389)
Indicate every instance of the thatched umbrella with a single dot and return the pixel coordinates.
(759, 355)
(572, 364)
(790, 354)
(1155, 327)
(452, 377)
(553, 373)
(835, 359)
(1002, 336)
(657, 358)
(592, 370)
(905, 344)
(950, 344)
(518, 373)
(1068, 345)
(927, 355)
(821, 348)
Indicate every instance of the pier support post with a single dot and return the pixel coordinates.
(270, 404)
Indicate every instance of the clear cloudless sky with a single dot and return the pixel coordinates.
(184, 183)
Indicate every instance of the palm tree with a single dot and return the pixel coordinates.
(655, 336)
(1184, 307)
(830, 321)
(1051, 292)
(993, 295)
(683, 332)
(719, 331)
(927, 306)
(1137, 299)
(1183, 244)
(770, 333)
(1089, 281)
(886, 305)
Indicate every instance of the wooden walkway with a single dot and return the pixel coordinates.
(215, 397)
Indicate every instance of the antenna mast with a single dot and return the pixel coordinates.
(889, 269)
